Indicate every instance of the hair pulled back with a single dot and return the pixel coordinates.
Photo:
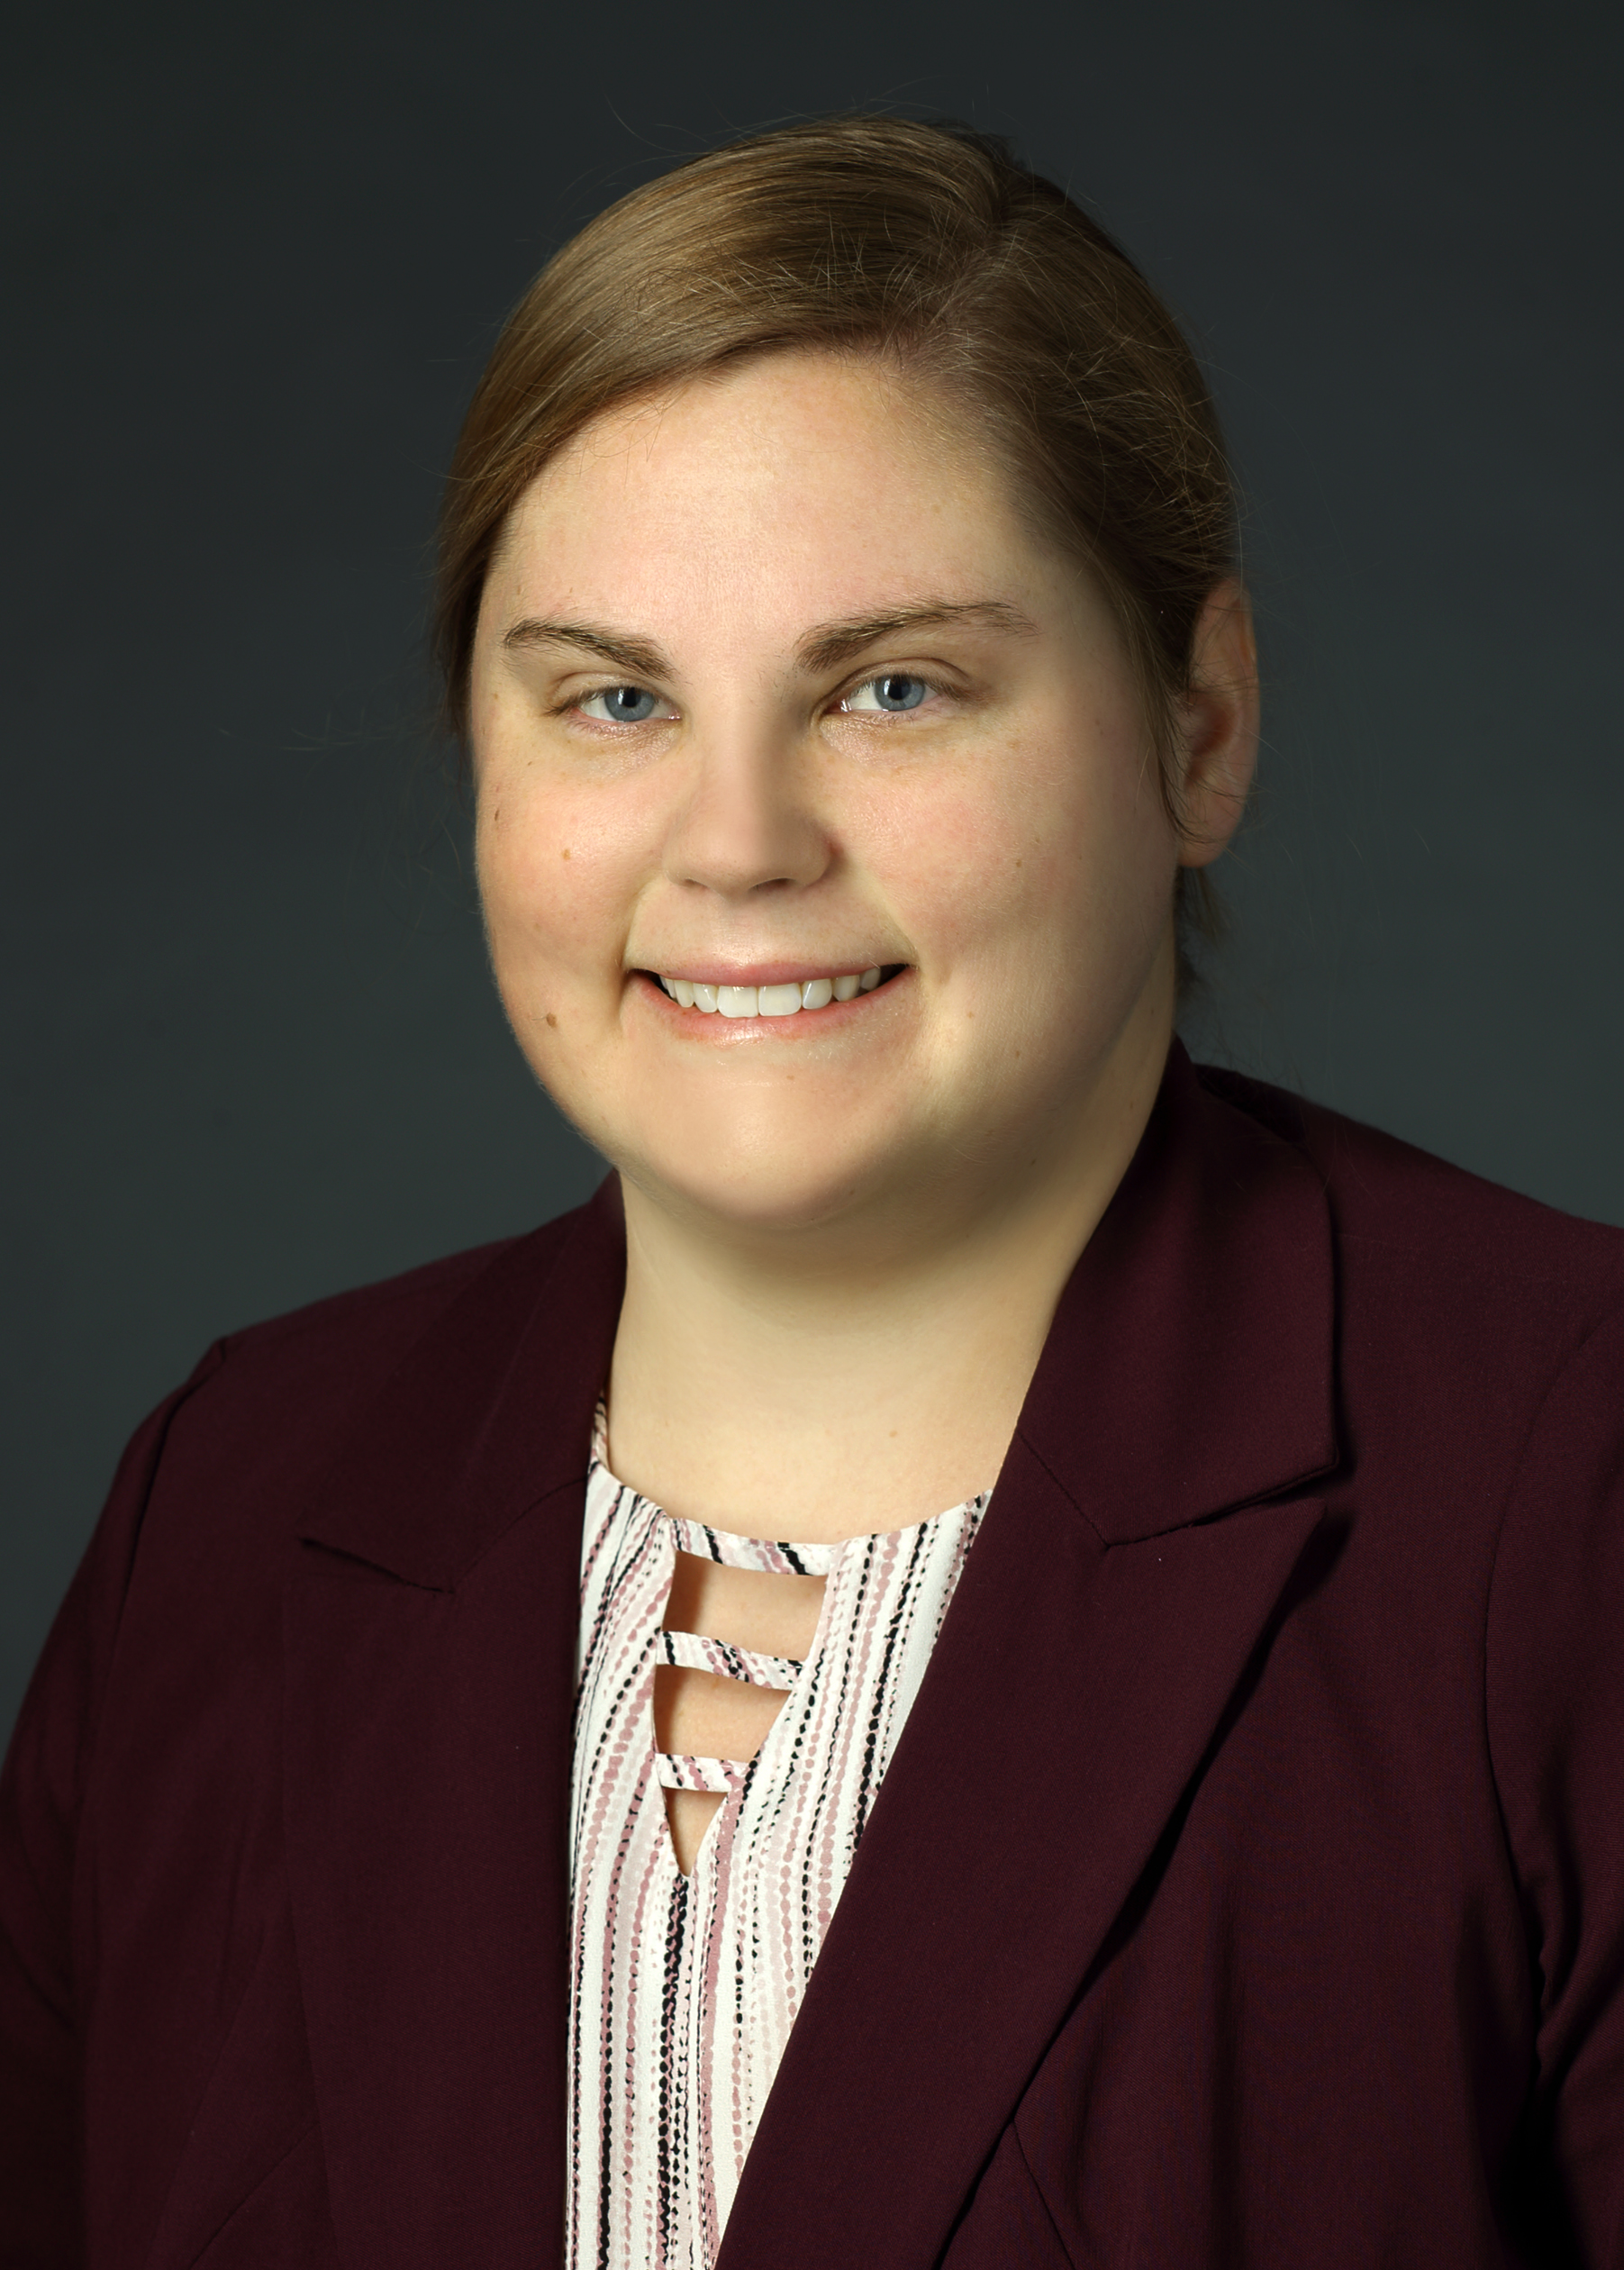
(926, 245)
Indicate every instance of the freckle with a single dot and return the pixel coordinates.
(550, 1017)
(565, 854)
(1017, 863)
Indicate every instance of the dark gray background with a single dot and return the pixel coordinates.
(260, 253)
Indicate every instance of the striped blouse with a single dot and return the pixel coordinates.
(684, 1988)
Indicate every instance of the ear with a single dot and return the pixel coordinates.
(1218, 725)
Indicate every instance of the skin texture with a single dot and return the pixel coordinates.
(847, 1230)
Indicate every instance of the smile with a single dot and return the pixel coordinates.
(770, 1001)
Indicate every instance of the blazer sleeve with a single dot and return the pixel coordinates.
(1555, 1676)
(42, 1797)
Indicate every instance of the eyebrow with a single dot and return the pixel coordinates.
(639, 658)
(824, 648)
(833, 643)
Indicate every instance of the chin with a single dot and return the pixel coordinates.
(756, 1153)
(754, 1198)
(763, 1191)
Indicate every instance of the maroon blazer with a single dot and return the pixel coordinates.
(1247, 1887)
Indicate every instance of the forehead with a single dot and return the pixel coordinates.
(795, 485)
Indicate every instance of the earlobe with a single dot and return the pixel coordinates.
(1219, 722)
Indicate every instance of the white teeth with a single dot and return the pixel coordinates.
(770, 1001)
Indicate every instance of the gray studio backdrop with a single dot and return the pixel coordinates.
(258, 256)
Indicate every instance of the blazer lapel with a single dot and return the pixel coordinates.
(431, 1628)
(1137, 1554)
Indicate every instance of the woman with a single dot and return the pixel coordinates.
(1175, 1529)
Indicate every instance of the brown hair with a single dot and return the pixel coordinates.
(931, 246)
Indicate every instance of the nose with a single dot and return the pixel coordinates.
(750, 821)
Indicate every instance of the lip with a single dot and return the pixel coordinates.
(809, 1024)
(765, 973)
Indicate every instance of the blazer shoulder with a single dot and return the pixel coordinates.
(390, 1306)
(279, 1395)
(1387, 1193)
(387, 1316)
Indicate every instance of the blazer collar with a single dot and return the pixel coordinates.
(490, 1412)
(1189, 1367)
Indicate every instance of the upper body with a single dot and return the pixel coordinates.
(1249, 1884)
(841, 609)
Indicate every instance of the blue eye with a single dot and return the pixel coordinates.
(621, 704)
(895, 691)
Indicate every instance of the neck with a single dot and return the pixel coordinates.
(859, 1377)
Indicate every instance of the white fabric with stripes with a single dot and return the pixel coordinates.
(683, 1989)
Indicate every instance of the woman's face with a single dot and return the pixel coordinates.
(772, 690)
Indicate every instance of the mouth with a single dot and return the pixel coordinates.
(794, 997)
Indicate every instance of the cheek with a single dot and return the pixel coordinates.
(1049, 844)
(555, 882)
